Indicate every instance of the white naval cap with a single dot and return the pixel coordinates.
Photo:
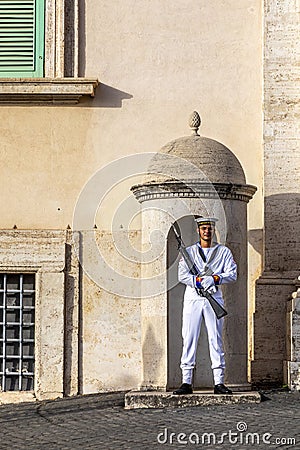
(205, 220)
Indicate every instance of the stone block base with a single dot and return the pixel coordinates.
(292, 375)
(267, 371)
(16, 397)
(273, 289)
(138, 399)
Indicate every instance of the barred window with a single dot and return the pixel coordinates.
(17, 319)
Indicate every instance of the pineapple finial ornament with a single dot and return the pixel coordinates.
(194, 122)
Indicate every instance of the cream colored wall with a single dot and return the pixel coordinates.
(157, 62)
(171, 58)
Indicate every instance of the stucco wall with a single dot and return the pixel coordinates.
(157, 62)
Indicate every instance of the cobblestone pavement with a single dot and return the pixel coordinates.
(100, 422)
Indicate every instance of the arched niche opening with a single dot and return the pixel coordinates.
(202, 372)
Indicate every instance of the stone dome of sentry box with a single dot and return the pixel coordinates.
(193, 164)
(190, 176)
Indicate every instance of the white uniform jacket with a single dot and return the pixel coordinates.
(222, 264)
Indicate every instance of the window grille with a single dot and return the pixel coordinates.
(17, 317)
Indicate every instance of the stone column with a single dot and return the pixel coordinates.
(154, 309)
(281, 211)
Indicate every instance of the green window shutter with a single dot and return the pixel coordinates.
(21, 38)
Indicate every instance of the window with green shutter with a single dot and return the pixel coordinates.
(21, 38)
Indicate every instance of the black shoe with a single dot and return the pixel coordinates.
(184, 389)
(221, 389)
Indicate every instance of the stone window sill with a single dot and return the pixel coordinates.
(18, 91)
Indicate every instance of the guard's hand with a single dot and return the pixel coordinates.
(198, 282)
(212, 290)
(207, 282)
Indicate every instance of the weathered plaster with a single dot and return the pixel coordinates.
(111, 324)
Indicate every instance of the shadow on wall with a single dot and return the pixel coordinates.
(279, 242)
(82, 37)
(282, 232)
(70, 300)
(255, 238)
(152, 357)
(106, 97)
(274, 290)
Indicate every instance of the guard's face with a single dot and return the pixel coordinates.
(206, 232)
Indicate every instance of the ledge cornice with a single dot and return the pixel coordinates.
(20, 91)
(179, 189)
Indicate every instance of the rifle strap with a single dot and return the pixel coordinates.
(212, 256)
(201, 253)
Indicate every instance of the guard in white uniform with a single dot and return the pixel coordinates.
(216, 267)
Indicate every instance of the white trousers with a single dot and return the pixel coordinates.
(194, 310)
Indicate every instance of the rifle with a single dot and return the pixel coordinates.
(218, 309)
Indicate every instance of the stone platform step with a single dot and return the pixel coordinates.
(160, 399)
